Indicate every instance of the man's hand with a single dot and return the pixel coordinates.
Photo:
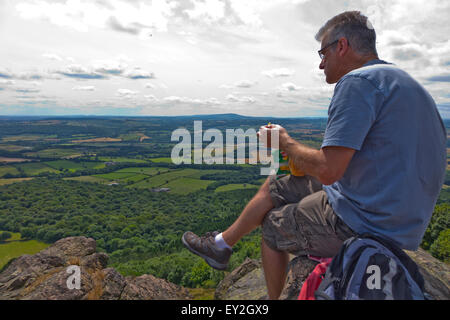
(327, 164)
(266, 134)
(284, 138)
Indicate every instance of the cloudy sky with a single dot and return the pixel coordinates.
(183, 57)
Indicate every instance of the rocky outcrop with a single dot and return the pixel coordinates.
(244, 283)
(50, 275)
(47, 276)
(247, 281)
(435, 273)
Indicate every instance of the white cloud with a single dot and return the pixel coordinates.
(191, 101)
(247, 11)
(138, 73)
(66, 14)
(52, 56)
(84, 88)
(126, 93)
(23, 75)
(150, 97)
(209, 11)
(82, 15)
(30, 75)
(176, 99)
(198, 45)
(239, 84)
(244, 84)
(212, 101)
(289, 86)
(313, 96)
(5, 73)
(233, 98)
(102, 69)
(7, 82)
(22, 89)
(281, 72)
(110, 67)
(407, 52)
(78, 71)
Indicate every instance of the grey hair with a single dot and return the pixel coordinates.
(353, 26)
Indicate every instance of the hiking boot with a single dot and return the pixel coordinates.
(206, 248)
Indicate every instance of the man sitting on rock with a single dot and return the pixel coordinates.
(380, 168)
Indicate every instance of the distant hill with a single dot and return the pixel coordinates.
(223, 116)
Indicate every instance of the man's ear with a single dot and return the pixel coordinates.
(342, 46)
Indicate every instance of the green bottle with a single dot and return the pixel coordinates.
(283, 162)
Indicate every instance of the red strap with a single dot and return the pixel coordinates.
(313, 281)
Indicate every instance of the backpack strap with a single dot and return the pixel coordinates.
(322, 295)
(334, 273)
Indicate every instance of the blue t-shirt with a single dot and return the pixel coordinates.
(392, 183)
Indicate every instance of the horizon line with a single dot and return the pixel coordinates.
(164, 116)
(159, 116)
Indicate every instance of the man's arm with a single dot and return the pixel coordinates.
(327, 164)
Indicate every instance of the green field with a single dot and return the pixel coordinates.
(180, 181)
(121, 159)
(55, 153)
(234, 186)
(13, 148)
(15, 247)
(187, 185)
(200, 173)
(57, 166)
(91, 179)
(121, 177)
(115, 175)
(35, 168)
(134, 179)
(158, 160)
(13, 180)
(151, 171)
(130, 137)
(28, 137)
(8, 169)
(74, 166)
(164, 178)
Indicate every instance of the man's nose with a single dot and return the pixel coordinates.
(321, 65)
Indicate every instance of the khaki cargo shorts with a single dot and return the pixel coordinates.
(302, 222)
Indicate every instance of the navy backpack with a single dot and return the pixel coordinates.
(370, 268)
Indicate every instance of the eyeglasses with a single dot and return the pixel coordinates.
(321, 51)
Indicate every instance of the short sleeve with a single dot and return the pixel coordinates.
(351, 113)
